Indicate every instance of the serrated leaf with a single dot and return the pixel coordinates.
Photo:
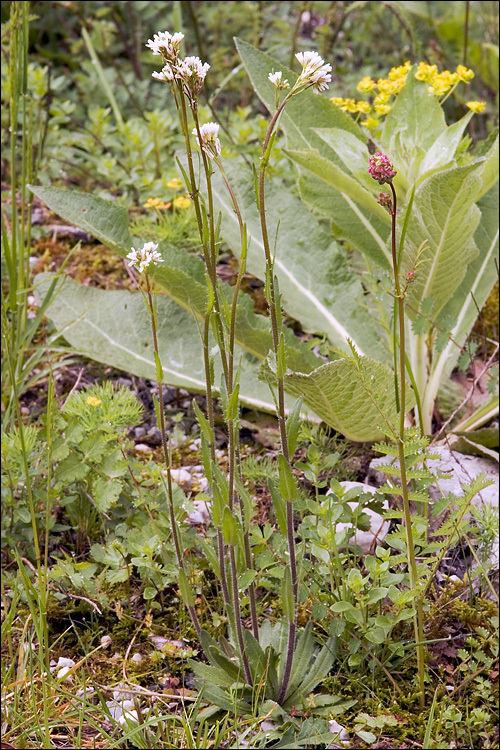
(106, 493)
(356, 397)
(71, 469)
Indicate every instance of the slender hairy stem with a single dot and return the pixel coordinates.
(166, 456)
(231, 342)
(272, 303)
(210, 262)
(412, 562)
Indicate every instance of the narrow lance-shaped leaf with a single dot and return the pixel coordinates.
(445, 217)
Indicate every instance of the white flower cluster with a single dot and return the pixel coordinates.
(210, 143)
(278, 82)
(165, 44)
(314, 73)
(190, 70)
(144, 256)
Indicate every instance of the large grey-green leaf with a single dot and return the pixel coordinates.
(349, 222)
(354, 395)
(105, 220)
(304, 113)
(181, 274)
(316, 284)
(354, 156)
(302, 117)
(443, 215)
(489, 172)
(471, 295)
(114, 327)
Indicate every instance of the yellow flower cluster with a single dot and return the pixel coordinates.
(383, 90)
(440, 84)
(351, 105)
(476, 106)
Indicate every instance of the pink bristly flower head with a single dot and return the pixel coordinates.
(381, 168)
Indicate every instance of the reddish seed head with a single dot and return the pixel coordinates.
(381, 168)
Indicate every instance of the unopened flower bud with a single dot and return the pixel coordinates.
(410, 276)
(384, 199)
(209, 139)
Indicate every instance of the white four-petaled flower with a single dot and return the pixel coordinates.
(209, 139)
(144, 256)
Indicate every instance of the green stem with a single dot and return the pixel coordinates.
(410, 546)
(166, 456)
(211, 270)
(232, 335)
(281, 394)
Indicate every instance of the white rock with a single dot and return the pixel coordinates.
(137, 657)
(129, 716)
(200, 513)
(64, 662)
(143, 448)
(463, 470)
(267, 726)
(62, 674)
(379, 528)
(106, 641)
(342, 735)
(180, 476)
(203, 484)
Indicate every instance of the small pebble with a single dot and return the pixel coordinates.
(143, 448)
(128, 716)
(181, 476)
(62, 674)
(137, 657)
(64, 662)
(106, 641)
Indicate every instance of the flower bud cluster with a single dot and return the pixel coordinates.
(385, 200)
(210, 143)
(381, 168)
(143, 257)
(190, 70)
